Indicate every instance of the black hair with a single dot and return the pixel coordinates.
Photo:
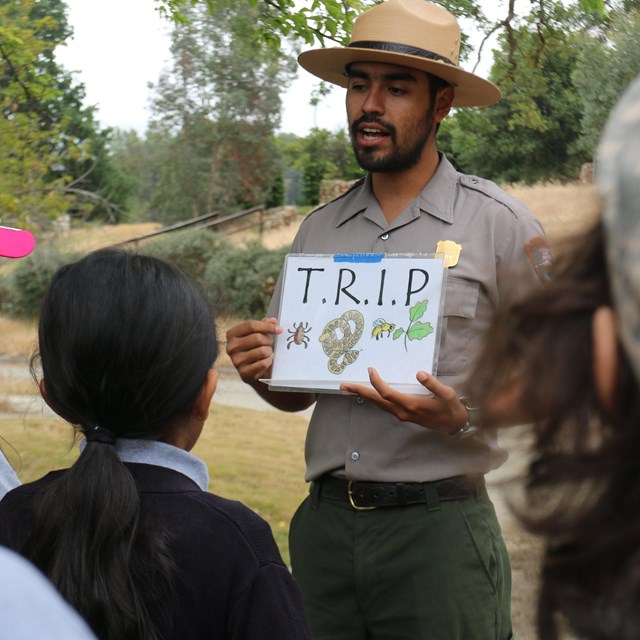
(125, 343)
(435, 84)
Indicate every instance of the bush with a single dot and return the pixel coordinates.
(241, 281)
(189, 250)
(29, 280)
(5, 292)
(238, 282)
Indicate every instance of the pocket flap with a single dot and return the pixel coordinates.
(461, 297)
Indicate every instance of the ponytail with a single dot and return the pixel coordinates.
(126, 342)
(88, 538)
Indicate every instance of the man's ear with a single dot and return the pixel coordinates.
(443, 102)
(200, 408)
(605, 356)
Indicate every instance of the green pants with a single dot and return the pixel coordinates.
(402, 573)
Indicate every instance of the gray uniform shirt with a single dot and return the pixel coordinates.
(355, 439)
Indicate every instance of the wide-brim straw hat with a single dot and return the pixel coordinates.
(410, 33)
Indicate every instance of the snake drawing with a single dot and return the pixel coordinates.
(340, 349)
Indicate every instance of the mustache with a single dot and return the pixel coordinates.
(372, 119)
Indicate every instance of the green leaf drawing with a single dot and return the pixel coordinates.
(417, 311)
(419, 330)
(397, 333)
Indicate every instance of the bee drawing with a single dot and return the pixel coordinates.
(380, 326)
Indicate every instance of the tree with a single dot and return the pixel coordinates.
(218, 107)
(33, 142)
(331, 21)
(321, 155)
(531, 134)
(59, 158)
(607, 62)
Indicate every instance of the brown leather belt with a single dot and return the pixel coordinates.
(371, 495)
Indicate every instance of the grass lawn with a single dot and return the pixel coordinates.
(256, 457)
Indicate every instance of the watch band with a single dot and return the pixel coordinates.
(472, 410)
(471, 425)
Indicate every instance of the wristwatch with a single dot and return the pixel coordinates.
(473, 420)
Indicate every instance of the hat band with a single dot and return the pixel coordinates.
(393, 47)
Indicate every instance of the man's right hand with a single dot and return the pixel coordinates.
(250, 347)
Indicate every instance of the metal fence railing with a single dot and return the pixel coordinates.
(207, 221)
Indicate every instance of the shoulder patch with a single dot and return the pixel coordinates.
(355, 185)
(493, 191)
(540, 257)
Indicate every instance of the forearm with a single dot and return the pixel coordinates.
(284, 400)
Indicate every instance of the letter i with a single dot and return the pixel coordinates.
(383, 274)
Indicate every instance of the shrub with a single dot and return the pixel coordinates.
(29, 280)
(241, 281)
(189, 250)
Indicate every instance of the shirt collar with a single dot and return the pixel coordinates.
(437, 198)
(162, 454)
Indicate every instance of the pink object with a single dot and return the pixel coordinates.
(16, 243)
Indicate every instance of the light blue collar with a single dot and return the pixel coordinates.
(165, 455)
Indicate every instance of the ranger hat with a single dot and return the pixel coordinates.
(410, 33)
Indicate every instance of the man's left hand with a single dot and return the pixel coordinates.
(442, 411)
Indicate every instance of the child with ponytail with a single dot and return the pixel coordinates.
(129, 534)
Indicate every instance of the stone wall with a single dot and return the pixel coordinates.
(331, 189)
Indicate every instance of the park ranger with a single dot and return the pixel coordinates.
(398, 538)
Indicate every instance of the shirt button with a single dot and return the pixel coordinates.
(360, 400)
(355, 456)
(384, 236)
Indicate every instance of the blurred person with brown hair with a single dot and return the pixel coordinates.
(568, 359)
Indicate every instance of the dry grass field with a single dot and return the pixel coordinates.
(256, 456)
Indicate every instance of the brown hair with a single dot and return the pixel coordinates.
(582, 487)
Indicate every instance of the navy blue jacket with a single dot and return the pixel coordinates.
(233, 582)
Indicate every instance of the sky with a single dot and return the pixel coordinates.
(119, 46)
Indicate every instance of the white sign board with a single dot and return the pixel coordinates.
(344, 313)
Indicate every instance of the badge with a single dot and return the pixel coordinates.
(451, 251)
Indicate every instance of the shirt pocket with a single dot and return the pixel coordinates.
(460, 305)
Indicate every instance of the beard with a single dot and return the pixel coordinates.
(403, 155)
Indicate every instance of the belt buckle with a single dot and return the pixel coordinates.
(351, 501)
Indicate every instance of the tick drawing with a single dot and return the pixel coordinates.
(299, 334)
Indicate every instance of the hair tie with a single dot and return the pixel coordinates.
(100, 435)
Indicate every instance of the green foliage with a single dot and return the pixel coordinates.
(56, 158)
(238, 281)
(30, 278)
(32, 144)
(276, 193)
(242, 281)
(531, 134)
(324, 21)
(322, 155)
(189, 250)
(607, 63)
(215, 113)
